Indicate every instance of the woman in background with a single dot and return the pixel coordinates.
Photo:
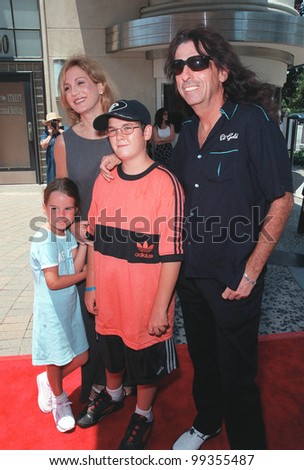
(163, 136)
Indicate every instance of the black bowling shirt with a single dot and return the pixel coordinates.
(229, 184)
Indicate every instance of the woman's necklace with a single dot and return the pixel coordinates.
(86, 129)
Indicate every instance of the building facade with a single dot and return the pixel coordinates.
(131, 40)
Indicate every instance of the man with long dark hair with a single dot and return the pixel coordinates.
(232, 161)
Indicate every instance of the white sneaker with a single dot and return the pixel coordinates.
(63, 415)
(45, 395)
(192, 439)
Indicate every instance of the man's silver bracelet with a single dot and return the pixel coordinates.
(251, 281)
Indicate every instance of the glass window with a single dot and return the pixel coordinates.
(8, 49)
(26, 14)
(28, 44)
(6, 20)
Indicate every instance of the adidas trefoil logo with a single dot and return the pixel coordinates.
(144, 250)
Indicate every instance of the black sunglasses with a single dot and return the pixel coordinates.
(196, 63)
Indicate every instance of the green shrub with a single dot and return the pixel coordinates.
(298, 157)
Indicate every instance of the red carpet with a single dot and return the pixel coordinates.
(281, 379)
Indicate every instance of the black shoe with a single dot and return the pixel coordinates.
(137, 433)
(97, 409)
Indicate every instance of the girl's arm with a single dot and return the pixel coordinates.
(60, 157)
(79, 255)
(156, 138)
(90, 294)
(158, 323)
(55, 282)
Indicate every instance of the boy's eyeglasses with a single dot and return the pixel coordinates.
(196, 63)
(126, 130)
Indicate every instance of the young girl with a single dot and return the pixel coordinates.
(59, 338)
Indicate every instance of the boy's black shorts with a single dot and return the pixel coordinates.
(143, 366)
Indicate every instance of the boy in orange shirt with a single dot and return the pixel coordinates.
(137, 226)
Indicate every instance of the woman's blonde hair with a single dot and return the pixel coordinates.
(96, 73)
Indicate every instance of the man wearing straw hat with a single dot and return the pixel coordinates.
(47, 141)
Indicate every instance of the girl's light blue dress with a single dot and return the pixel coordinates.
(58, 329)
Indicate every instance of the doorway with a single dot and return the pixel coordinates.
(18, 142)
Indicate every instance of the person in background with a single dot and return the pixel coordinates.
(163, 136)
(232, 161)
(47, 141)
(133, 267)
(86, 92)
(59, 338)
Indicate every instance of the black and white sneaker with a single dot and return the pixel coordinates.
(137, 433)
(97, 409)
(192, 439)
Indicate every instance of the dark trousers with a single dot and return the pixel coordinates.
(222, 337)
(93, 371)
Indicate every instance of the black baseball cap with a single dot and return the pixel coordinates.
(129, 110)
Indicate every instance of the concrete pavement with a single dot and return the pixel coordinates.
(19, 205)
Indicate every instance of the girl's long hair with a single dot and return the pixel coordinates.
(159, 117)
(65, 186)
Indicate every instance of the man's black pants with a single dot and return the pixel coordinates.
(222, 340)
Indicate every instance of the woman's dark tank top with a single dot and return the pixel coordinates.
(83, 160)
